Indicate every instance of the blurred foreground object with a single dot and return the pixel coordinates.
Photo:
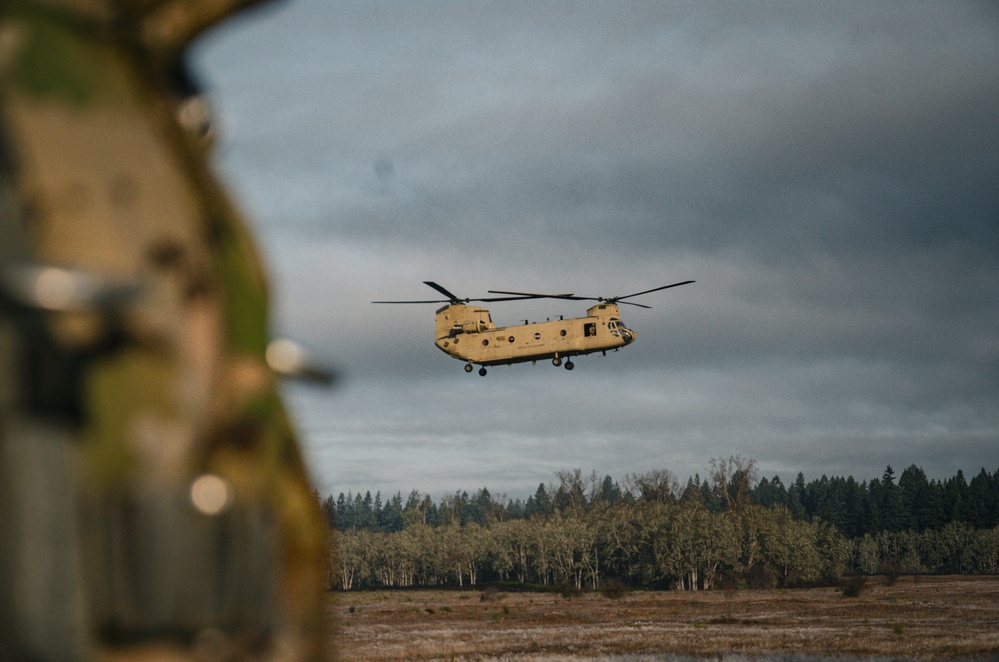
(153, 499)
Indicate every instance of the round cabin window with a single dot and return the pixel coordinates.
(485, 342)
(511, 338)
(562, 333)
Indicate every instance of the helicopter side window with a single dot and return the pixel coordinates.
(590, 329)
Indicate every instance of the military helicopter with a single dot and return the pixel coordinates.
(467, 332)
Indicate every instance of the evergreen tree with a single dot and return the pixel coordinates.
(329, 508)
(364, 515)
(420, 509)
(816, 493)
(515, 509)
(853, 504)
(770, 493)
(482, 509)
(539, 504)
(343, 514)
(955, 499)
(920, 500)
(711, 497)
(830, 504)
(796, 494)
(610, 491)
(873, 522)
(390, 517)
(893, 515)
(981, 505)
(794, 504)
(376, 512)
(692, 492)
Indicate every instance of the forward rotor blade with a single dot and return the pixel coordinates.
(456, 300)
(451, 296)
(655, 289)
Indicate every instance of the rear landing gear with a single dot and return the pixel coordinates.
(482, 372)
(557, 361)
(468, 367)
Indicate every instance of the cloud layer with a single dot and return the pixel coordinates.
(825, 172)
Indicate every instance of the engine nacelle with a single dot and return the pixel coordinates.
(457, 319)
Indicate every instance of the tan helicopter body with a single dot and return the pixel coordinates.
(467, 332)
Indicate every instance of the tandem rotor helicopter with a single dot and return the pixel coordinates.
(467, 333)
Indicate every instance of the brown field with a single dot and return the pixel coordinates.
(916, 617)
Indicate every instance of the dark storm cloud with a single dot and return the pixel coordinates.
(825, 171)
(707, 127)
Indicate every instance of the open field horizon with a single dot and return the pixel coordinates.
(916, 617)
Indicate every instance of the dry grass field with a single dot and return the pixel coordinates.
(915, 617)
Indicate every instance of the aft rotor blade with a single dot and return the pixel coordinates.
(429, 301)
(655, 289)
(513, 298)
(533, 295)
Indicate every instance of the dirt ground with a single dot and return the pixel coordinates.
(916, 617)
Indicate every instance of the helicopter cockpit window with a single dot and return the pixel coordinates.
(590, 329)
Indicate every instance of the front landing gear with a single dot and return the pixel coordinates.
(469, 368)
(569, 365)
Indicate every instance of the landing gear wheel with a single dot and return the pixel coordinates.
(556, 362)
(569, 365)
(482, 372)
(468, 367)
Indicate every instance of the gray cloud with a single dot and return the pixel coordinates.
(826, 172)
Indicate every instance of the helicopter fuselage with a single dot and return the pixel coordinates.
(468, 333)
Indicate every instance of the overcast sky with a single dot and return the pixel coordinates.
(828, 173)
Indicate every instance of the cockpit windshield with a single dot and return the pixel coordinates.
(617, 328)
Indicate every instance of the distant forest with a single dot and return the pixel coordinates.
(652, 530)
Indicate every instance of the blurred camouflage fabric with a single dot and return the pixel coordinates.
(153, 493)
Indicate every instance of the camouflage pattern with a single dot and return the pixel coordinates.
(154, 499)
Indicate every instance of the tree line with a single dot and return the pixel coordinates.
(912, 503)
(728, 529)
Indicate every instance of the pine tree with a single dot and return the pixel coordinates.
(853, 503)
(955, 499)
(390, 517)
(796, 493)
(982, 501)
(893, 516)
(610, 491)
(329, 508)
(919, 499)
(539, 504)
